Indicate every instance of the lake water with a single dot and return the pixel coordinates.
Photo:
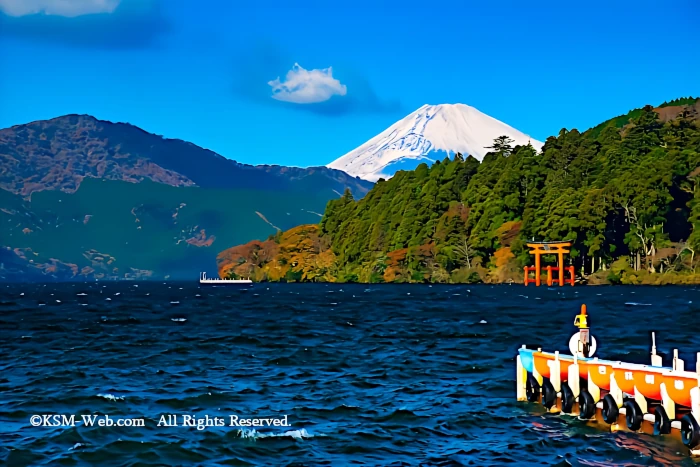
(365, 374)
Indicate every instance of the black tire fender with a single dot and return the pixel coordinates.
(690, 431)
(662, 424)
(532, 388)
(610, 409)
(586, 405)
(633, 414)
(567, 398)
(549, 395)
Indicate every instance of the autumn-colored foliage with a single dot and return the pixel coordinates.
(295, 255)
(626, 194)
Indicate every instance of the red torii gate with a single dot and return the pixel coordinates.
(549, 248)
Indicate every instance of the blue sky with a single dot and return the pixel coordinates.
(205, 71)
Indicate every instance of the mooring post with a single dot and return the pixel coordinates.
(615, 390)
(521, 377)
(695, 402)
(641, 401)
(574, 378)
(667, 403)
(655, 359)
(678, 364)
(535, 373)
(593, 388)
(555, 372)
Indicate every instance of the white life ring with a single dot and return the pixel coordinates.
(573, 345)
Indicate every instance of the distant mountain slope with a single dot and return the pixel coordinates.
(114, 229)
(428, 134)
(82, 198)
(59, 153)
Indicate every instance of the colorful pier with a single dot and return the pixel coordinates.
(650, 398)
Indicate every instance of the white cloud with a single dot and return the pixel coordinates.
(307, 86)
(69, 8)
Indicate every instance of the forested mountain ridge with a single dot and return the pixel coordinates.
(625, 193)
(84, 199)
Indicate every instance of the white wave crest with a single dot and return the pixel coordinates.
(111, 397)
(296, 434)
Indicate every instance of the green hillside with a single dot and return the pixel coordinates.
(628, 200)
(622, 120)
(116, 228)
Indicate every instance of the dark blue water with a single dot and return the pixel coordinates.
(366, 375)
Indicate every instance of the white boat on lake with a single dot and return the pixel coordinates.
(203, 279)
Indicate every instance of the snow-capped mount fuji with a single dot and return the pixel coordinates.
(428, 134)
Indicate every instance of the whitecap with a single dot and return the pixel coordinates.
(81, 294)
(637, 304)
(76, 446)
(197, 295)
(42, 304)
(108, 299)
(22, 294)
(174, 303)
(483, 321)
(118, 293)
(296, 434)
(178, 320)
(111, 397)
(58, 301)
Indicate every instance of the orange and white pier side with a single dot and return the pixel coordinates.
(652, 398)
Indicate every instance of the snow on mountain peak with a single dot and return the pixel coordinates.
(423, 135)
